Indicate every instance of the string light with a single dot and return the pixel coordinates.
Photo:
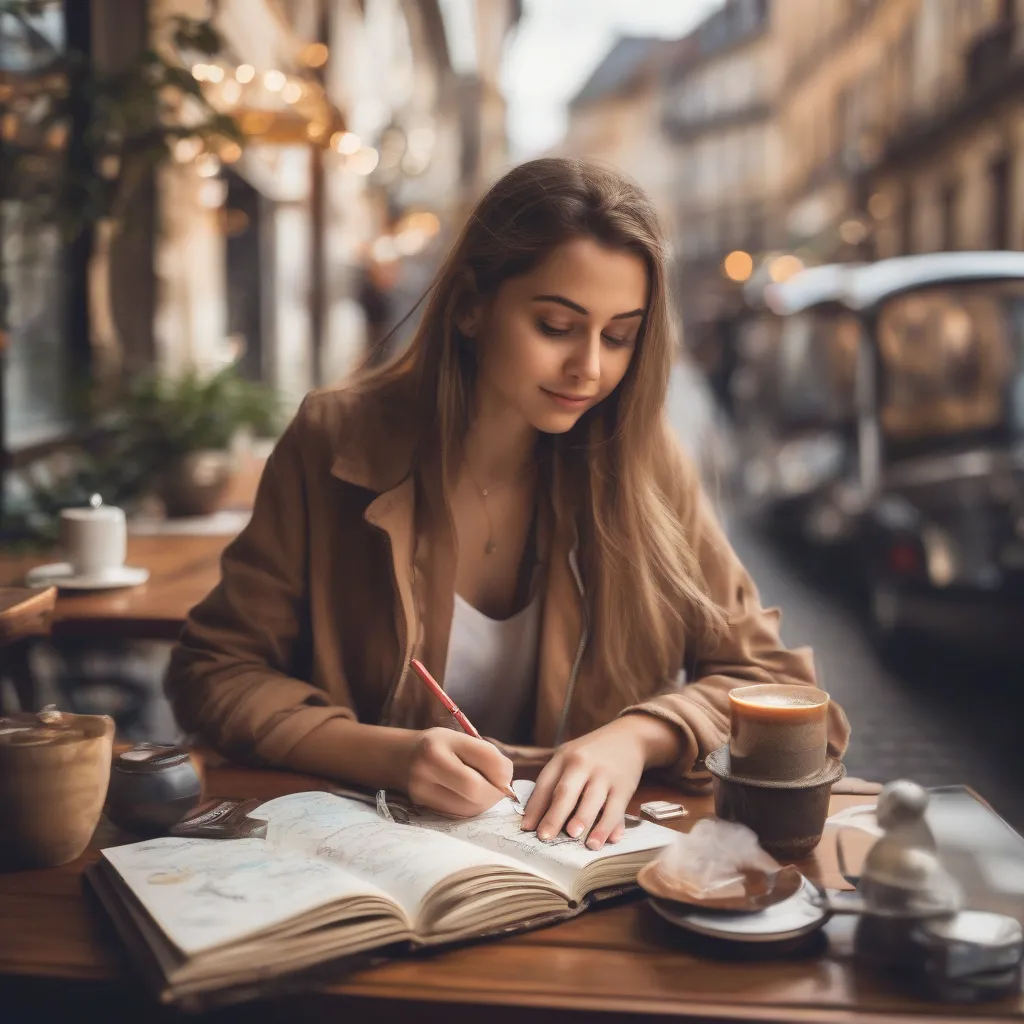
(783, 268)
(274, 81)
(207, 165)
(231, 92)
(315, 55)
(186, 150)
(364, 161)
(257, 118)
(346, 143)
(738, 265)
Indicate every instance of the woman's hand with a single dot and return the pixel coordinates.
(589, 781)
(456, 774)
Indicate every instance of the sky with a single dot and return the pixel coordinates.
(557, 45)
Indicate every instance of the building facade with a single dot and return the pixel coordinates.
(616, 118)
(351, 118)
(902, 123)
(719, 112)
(950, 173)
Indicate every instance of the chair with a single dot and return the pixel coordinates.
(25, 615)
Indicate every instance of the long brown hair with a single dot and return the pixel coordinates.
(616, 468)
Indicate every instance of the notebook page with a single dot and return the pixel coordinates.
(561, 859)
(206, 892)
(407, 862)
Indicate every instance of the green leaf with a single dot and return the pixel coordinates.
(181, 78)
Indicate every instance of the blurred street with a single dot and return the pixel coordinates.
(942, 721)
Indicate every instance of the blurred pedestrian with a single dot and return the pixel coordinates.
(507, 502)
(374, 295)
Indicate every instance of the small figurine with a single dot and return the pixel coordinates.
(902, 874)
(903, 882)
(911, 918)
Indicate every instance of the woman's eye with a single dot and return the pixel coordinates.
(551, 330)
(616, 342)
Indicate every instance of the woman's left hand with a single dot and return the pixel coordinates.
(588, 783)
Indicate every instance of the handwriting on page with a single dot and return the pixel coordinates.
(204, 892)
(406, 862)
(560, 858)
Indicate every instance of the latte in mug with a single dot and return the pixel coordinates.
(778, 731)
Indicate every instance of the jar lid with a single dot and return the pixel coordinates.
(145, 758)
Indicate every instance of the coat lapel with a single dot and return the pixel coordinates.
(409, 507)
(561, 633)
(393, 512)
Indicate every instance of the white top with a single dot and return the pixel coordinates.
(491, 667)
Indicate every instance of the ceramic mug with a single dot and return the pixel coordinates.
(778, 731)
(94, 540)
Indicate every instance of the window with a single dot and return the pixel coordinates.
(817, 365)
(999, 175)
(32, 259)
(951, 356)
(948, 199)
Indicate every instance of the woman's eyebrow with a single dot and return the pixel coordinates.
(576, 307)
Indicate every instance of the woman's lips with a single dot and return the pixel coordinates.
(569, 401)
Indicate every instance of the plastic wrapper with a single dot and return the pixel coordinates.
(719, 864)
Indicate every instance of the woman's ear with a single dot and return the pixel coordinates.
(468, 320)
(470, 306)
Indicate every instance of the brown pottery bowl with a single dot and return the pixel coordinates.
(54, 772)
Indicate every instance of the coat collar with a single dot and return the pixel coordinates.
(374, 446)
(375, 439)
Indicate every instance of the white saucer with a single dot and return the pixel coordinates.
(60, 574)
(789, 919)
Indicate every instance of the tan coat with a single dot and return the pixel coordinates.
(340, 578)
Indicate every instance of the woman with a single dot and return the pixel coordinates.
(506, 503)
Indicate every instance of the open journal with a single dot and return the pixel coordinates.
(334, 878)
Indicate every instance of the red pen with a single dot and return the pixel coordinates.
(451, 706)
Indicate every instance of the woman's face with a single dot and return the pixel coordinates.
(555, 342)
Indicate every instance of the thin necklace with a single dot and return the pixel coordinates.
(484, 492)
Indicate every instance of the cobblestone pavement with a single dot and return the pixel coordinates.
(946, 720)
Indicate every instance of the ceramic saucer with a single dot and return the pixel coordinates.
(799, 915)
(60, 574)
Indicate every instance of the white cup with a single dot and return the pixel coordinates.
(94, 540)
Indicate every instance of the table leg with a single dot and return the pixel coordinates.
(16, 665)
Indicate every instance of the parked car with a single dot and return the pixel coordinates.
(941, 436)
(795, 404)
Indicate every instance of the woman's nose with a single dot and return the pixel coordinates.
(586, 359)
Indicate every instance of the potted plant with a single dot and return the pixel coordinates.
(180, 430)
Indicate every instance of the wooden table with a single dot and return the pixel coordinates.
(183, 570)
(622, 963)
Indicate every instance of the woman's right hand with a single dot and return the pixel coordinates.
(456, 774)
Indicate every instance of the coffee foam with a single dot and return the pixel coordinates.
(779, 700)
